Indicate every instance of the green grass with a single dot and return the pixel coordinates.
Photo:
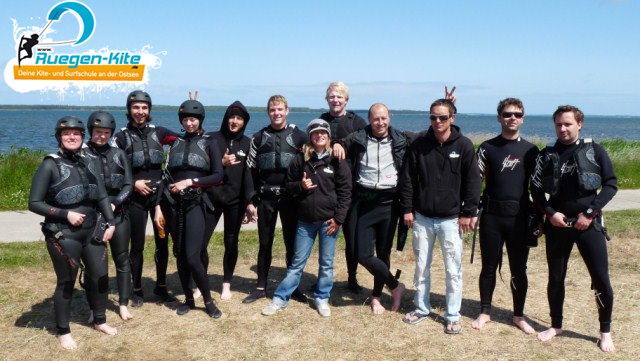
(18, 166)
(16, 170)
(625, 156)
(621, 226)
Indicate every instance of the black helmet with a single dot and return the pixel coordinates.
(137, 96)
(191, 108)
(101, 119)
(68, 122)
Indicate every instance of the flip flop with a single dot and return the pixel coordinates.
(449, 327)
(419, 317)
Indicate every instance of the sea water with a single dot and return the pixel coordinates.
(34, 129)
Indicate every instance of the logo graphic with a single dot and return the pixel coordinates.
(83, 14)
(509, 163)
(37, 67)
(568, 168)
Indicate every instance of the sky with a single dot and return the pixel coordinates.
(580, 52)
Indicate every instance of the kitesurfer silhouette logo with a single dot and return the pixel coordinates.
(85, 18)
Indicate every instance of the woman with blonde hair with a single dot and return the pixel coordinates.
(321, 187)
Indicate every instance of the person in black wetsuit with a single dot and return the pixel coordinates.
(571, 171)
(194, 163)
(116, 173)
(271, 151)
(67, 190)
(375, 155)
(143, 144)
(342, 123)
(231, 198)
(506, 163)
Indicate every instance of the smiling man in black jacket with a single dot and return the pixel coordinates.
(376, 154)
(439, 193)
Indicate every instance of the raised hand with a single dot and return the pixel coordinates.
(229, 159)
(307, 183)
(193, 97)
(449, 94)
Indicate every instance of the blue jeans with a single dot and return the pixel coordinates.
(425, 231)
(305, 236)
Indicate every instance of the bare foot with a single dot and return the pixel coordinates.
(376, 306)
(90, 319)
(479, 322)
(124, 313)
(103, 327)
(522, 324)
(606, 342)
(67, 342)
(226, 291)
(549, 333)
(196, 293)
(397, 296)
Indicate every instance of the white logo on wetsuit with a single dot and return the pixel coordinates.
(567, 168)
(508, 162)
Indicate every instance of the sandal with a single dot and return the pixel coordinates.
(452, 327)
(414, 317)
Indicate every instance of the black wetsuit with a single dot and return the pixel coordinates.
(119, 185)
(232, 197)
(591, 242)
(270, 153)
(144, 150)
(197, 158)
(374, 209)
(506, 166)
(341, 127)
(71, 182)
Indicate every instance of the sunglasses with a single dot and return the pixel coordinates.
(508, 115)
(441, 118)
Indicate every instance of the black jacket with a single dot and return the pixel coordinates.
(344, 125)
(237, 182)
(332, 196)
(441, 180)
(355, 145)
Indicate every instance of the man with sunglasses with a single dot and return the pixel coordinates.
(439, 194)
(506, 163)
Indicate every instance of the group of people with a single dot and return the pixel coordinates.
(367, 177)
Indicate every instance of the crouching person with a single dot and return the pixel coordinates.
(321, 187)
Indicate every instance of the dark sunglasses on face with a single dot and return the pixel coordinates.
(508, 115)
(441, 118)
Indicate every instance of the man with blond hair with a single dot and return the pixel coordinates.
(343, 122)
(270, 152)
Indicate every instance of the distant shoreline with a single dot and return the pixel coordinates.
(174, 108)
(222, 108)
